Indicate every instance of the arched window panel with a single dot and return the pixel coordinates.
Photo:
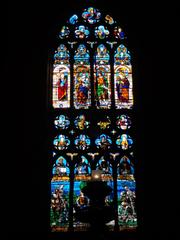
(102, 77)
(105, 168)
(127, 216)
(125, 169)
(82, 169)
(61, 78)
(60, 169)
(59, 211)
(123, 78)
(82, 89)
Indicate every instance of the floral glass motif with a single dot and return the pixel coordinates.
(118, 33)
(82, 91)
(61, 78)
(61, 142)
(81, 32)
(81, 123)
(91, 15)
(125, 168)
(82, 168)
(102, 78)
(103, 142)
(73, 20)
(105, 123)
(109, 19)
(64, 33)
(124, 141)
(82, 142)
(101, 32)
(62, 122)
(123, 122)
(61, 169)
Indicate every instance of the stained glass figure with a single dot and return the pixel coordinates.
(61, 142)
(105, 123)
(64, 33)
(82, 91)
(81, 32)
(101, 32)
(61, 169)
(103, 142)
(82, 142)
(59, 214)
(61, 122)
(124, 141)
(125, 169)
(82, 168)
(91, 15)
(61, 78)
(102, 78)
(127, 216)
(109, 19)
(123, 78)
(104, 166)
(81, 123)
(118, 33)
(73, 19)
(123, 122)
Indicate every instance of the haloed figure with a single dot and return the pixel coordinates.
(122, 87)
(102, 87)
(62, 86)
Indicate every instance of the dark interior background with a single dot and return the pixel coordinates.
(152, 34)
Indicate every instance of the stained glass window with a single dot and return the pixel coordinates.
(92, 133)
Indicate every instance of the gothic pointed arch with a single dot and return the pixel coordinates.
(92, 106)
